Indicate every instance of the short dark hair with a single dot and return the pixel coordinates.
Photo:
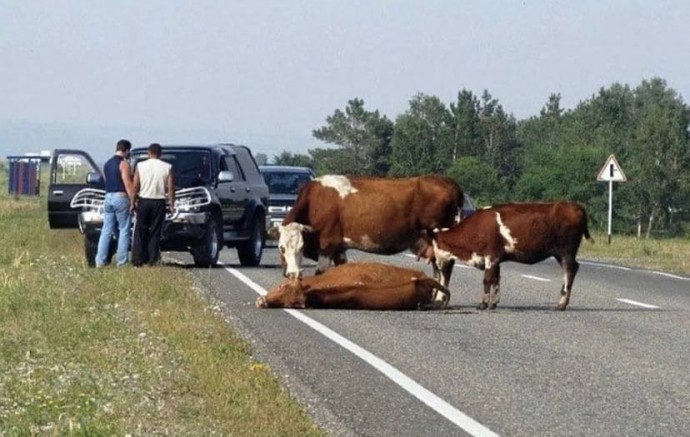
(123, 146)
(155, 150)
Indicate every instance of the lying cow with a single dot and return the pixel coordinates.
(384, 216)
(526, 233)
(372, 286)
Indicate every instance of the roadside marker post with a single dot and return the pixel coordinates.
(611, 172)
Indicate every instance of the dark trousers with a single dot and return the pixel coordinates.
(146, 243)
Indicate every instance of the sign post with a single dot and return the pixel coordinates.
(611, 172)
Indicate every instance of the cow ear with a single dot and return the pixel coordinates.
(307, 228)
(274, 233)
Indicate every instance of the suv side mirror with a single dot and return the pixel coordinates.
(226, 176)
(94, 178)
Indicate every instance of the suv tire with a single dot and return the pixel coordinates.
(250, 251)
(206, 253)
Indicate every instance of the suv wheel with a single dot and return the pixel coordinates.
(206, 253)
(250, 251)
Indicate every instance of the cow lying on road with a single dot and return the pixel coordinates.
(526, 233)
(385, 216)
(372, 286)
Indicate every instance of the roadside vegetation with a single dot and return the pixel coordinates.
(119, 351)
(668, 254)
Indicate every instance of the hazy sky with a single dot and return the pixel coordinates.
(277, 68)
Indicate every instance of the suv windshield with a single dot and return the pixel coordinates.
(285, 182)
(190, 167)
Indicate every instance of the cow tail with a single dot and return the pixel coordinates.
(586, 227)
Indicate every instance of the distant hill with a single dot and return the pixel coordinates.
(19, 137)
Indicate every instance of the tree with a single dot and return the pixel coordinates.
(465, 126)
(363, 135)
(421, 138)
(478, 179)
(288, 158)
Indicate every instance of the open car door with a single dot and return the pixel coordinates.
(70, 171)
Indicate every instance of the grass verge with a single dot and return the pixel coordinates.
(669, 255)
(119, 351)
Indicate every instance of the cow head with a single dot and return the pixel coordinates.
(438, 295)
(289, 294)
(291, 248)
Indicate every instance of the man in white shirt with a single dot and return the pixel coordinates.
(152, 178)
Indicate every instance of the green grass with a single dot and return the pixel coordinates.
(119, 351)
(670, 255)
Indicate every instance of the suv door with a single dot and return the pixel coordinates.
(234, 195)
(69, 170)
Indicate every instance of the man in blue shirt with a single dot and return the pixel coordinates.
(119, 195)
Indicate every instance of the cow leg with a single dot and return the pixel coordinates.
(570, 268)
(495, 296)
(442, 271)
(322, 264)
(340, 258)
(490, 282)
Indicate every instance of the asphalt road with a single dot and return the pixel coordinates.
(616, 362)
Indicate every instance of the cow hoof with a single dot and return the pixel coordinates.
(492, 306)
(261, 302)
(561, 307)
(482, 306)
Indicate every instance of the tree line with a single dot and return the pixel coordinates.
(553, 156)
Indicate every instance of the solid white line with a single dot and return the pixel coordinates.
(670, 275)
(611, 266)
(639, 304)
(442, 407)
(536, 278)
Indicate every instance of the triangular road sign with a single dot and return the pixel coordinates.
(611, 171)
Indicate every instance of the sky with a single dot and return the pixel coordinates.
(267, 73)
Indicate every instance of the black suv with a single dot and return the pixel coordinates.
(283, 182)
(221, 199)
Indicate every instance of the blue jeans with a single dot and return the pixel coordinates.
(115, 212)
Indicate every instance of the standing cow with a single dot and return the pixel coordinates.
(372, 286)
(385, 216)
(526, 233)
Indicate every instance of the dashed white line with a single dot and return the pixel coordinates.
(536, 278)
(639, 304)
(442, 407)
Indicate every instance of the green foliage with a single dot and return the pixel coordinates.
(261, 159)
(478, 179)
(294, 159)
(553, 156)
(362, 135)
(421, 138)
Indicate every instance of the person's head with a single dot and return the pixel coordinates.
(155, 150)
(124, 147)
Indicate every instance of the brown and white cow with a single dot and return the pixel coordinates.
(334, 213)
(523, 232)
(372, 286)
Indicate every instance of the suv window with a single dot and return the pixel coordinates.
(285, 182)
(231, 164)
(190, 167)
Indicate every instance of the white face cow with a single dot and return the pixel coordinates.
(290, 246)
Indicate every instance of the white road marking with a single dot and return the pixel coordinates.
(611, 266)
(442, 407)
(536, 278)
(639, 304)
(668, 275)
(460, 266)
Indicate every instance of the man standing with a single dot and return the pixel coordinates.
(119, 195)
(151, 178)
